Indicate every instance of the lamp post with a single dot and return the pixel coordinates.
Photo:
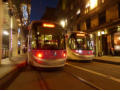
(1, 21)
(10, 33)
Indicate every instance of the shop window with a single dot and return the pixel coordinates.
(117, 41)
(102, 18)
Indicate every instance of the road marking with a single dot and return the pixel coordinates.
(97, 73)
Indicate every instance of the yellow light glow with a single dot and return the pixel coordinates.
(48, 25)
(80, 34)
(87, 5)
(102, 32)
(62, 23)
(118, 38)
(93, 4)
(99, 33)
(91, 36)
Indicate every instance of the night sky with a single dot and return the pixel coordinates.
(38, 7)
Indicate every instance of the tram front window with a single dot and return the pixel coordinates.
(82, 43)
(48, 41)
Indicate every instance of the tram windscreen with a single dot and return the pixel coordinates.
(80, 42)
(47, 39)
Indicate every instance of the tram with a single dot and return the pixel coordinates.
(46, 43)
(79, 46)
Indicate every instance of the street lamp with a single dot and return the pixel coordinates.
(78, 12)
(93, 3)
(63, 23)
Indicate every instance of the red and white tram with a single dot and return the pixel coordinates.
(79, 46)
(46, 45)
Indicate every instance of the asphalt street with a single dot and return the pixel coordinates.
(74, 76)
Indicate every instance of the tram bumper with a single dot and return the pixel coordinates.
(51, 63)
(80, 57)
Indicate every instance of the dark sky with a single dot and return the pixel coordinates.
(38, 7)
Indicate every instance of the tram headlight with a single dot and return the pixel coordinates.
(77, 50)
(80, 51)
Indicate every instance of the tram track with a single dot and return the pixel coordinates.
(96, 73)
(43, 83)
(83, 80)
(99, 78)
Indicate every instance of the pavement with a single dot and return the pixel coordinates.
(10, 66)
(108, 59)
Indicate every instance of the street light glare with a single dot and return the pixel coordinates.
(78, 12)
(62, 22)
(93, 3)
(5, 33)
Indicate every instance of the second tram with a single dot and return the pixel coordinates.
(79, 46)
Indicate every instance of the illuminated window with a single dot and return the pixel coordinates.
(87, 7)
(93, 4)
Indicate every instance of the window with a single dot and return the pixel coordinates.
(91, 4)
(88, 23)
(102, 18)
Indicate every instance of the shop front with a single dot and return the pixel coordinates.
(117, 44)
(107, 42)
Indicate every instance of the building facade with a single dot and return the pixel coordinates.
(16, 17)
(100, 18)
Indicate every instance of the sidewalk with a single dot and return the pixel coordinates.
(9, 66)
(108, 59)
